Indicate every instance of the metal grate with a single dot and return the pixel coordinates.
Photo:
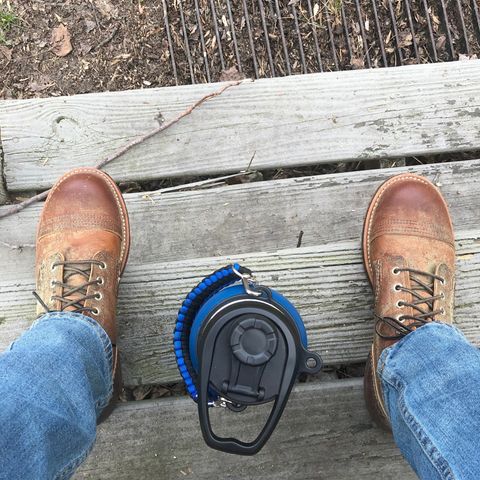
(267, 38)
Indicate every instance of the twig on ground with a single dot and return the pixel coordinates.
(41, 196)
(164, 126)
(20, 206)
(203, 184)
(251, 160)
(107, 40)
(16, 247)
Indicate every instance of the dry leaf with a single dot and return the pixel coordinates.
(40, 84)
(440, 44)
(406, 39)
(316, 9)
(6, 52)
(231, 75)
(159, 392)
(357, 63)
(106, 8)
(139, 393)
(389, 37)
(462, 57)
(61, 44)
(90, 25)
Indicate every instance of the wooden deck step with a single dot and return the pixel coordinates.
(325, 433)
(299, 120)
(253, 223)
(180, 236)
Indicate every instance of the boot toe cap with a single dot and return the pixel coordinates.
(408, 204)
(84, 198)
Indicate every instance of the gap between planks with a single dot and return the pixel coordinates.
(327, 284)
(334, 297)
(255, 217)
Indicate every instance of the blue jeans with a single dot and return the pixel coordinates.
(431, 386)
(56, 379)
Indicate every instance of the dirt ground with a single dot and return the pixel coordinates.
(77, 46)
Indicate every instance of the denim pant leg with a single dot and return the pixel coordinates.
(54, 382)
(431, 385)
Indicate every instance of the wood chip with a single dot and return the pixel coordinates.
(61, 41)
(441, 41)
(231, 74)
(357, 63)
(106, 8)
(6, 52)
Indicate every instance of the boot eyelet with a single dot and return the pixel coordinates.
(396, 271)
(53, 283)
(398, 287)
(442, 311)
(100, 280)
(103, 266)
(96, 311)
(53, 267)
(442, 295)
(400, 304)
(98, 296)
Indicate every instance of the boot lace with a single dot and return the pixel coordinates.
(422, 297)
(75, 295)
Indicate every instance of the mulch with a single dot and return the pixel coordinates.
(79, 46)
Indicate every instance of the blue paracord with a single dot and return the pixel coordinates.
(186, 315)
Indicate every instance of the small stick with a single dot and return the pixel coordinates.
(107, 40)
(164, 126)
(20, 206)
(300, 237)
(128, 146)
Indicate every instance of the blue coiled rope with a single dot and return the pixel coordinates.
(210, 285)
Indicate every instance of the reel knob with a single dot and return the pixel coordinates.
(253, 341)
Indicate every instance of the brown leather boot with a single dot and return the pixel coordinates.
(83, 240)
(409, 255)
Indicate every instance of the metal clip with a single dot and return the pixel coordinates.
(248, 282)
(220, 402)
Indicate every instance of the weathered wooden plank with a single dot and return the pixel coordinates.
(325, 433)
(262, 216)
(259, 217)
(288, 121)
(326, 283)
(3, 190)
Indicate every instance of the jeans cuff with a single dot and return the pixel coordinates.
(101, 334)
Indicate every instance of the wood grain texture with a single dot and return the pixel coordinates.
(300, 120)
(325, 433)
(324, 278)
(3, 190)
(256, 217)
(326, 283)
